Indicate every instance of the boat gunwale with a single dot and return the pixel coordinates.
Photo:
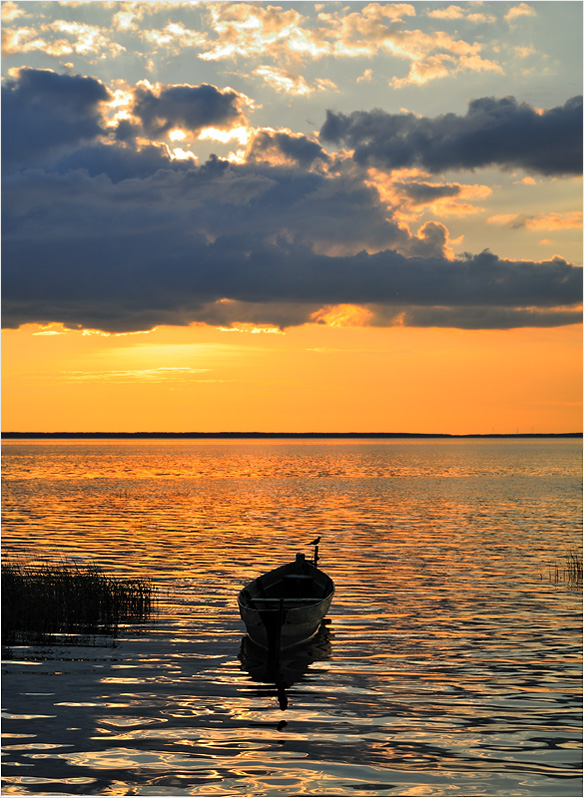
(318, 576)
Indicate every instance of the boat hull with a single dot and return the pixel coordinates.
(298, 626)
(285, 607)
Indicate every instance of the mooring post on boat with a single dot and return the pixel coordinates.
(315, 543)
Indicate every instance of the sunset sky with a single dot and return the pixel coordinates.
(292, 216)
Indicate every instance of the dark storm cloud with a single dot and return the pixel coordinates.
(43, 112)
(494, 132)
(118, 163)
(300, 149)
(190, 107)
(251, 204)
(109, 235)
(164, 250)
(127, 131)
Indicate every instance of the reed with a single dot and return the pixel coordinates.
(41, 601)
(569, 571)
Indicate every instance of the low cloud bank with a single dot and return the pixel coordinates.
(105, 231)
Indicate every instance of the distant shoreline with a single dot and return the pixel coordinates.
(273, 435)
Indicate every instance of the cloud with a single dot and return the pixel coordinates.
(162, 108)
(425, 193)
(290, 83)
(234, 31)
(173, 37)
(343, 315)
(58, 38)
(113, 234)
(377, 28)
(554, 221)
(87, 39)
(494, 132)
(10, 11)
(48, 116)
(281, 146)
(427, 66)
(524, 51)
(242, 30)
(540, 221)
(459, 13)
(43, 113)
(450, 12)
(410, 194)
(477, 317)
(173, 374)
(366, 77)
(277, 245)
(118, 163)
(521, 10)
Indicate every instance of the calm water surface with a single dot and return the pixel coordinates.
(451, 666)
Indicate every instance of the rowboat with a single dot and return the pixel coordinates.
(286, 606)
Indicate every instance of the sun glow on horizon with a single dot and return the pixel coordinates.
(318, 376)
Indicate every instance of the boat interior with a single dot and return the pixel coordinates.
(291, 586)
(296, 588)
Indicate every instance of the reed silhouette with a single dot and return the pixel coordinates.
(44, 604)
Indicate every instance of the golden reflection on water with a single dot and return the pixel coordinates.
(450, 664)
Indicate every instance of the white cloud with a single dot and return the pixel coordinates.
(521, 10)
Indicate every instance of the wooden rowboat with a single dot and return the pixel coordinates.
(286, 606)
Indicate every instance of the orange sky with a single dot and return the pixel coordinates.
(310, 378)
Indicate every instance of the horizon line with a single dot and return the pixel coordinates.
(259, 435)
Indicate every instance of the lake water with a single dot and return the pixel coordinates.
(451, 665)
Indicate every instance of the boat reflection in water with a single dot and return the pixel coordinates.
(291, 667)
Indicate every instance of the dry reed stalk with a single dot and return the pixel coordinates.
(569, 572)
